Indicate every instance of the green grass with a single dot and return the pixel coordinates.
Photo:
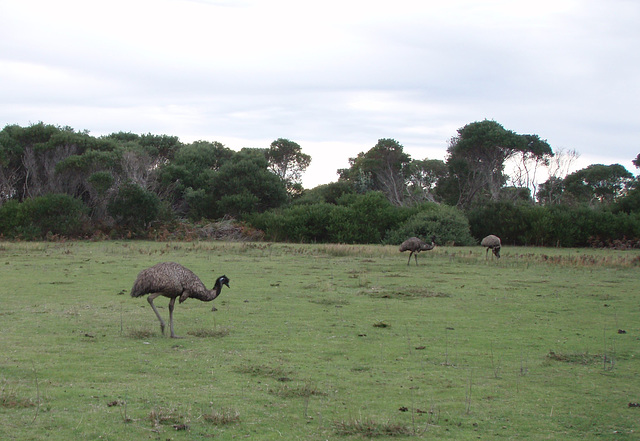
(317, 342)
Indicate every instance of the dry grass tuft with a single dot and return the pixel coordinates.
(9, 398)
(612, 260)
(575, 358)
(279, 373)
(368, 428)
(329, 302)
(296, 391)
(223, 417)
(140, 334)
(162, 416)
(217, 332)
(403, 293)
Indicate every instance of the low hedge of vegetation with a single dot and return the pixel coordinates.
(368, 218)
(556, 225)
(351, 218)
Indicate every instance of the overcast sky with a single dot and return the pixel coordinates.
(333, 76)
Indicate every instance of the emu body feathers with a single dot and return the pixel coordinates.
(416, 245)
(492, 243)
(172, 280)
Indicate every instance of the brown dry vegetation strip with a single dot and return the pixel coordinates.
(222, 417)
(368, 428)
(278, 373)
(215, 332)
(575, 358)
(403, 293)
(296, 391)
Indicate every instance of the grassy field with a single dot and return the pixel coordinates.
(320, 342)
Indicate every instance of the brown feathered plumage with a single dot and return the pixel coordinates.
(172, 280)
(492, 243)
(416, 245)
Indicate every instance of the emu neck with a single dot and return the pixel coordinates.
(207, 295)
(427, 246)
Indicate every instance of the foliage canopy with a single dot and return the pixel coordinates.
(127, 182)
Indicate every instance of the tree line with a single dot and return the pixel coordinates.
(55, 181)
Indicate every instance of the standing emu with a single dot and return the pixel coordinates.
(173, 280)
(492, 243)
(416, 245)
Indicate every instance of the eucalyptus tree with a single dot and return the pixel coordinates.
(422, 179)
(29, 157)
(477, 156)
(597, 183)
(550, 191)
(246, 185)
(191, 170)
(209, 180)
(287, 161)
(382, 168)
(630, 202)
(44, 159)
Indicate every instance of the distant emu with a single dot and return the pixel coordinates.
(170, 279)
(492, 243)
(416, 245)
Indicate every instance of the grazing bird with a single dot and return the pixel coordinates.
(173, 280)
(416, 245)
(492, 243)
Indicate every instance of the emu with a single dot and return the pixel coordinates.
(172, 280)
(416, 245)
(492, 243)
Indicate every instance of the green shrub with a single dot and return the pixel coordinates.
(356, 219)
(300, 223)
(447, 223)
(329, 193)
(555, 225)
(10, 218)
(36, 218)
(101, 181)
(133, 207)
(504, 219)
(367, 219)
(238, 204)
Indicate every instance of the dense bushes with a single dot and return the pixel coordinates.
(448, 224)
(368, 218)
(355, 219)
(35, 218)
(559, 225)
(134, 207)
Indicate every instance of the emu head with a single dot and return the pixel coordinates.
(223, 280)
(496, 251)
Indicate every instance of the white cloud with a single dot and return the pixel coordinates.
(333, 76)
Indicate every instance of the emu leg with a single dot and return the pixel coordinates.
(150, 300)
(172, 303)
(409, 261)
(415, 256)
